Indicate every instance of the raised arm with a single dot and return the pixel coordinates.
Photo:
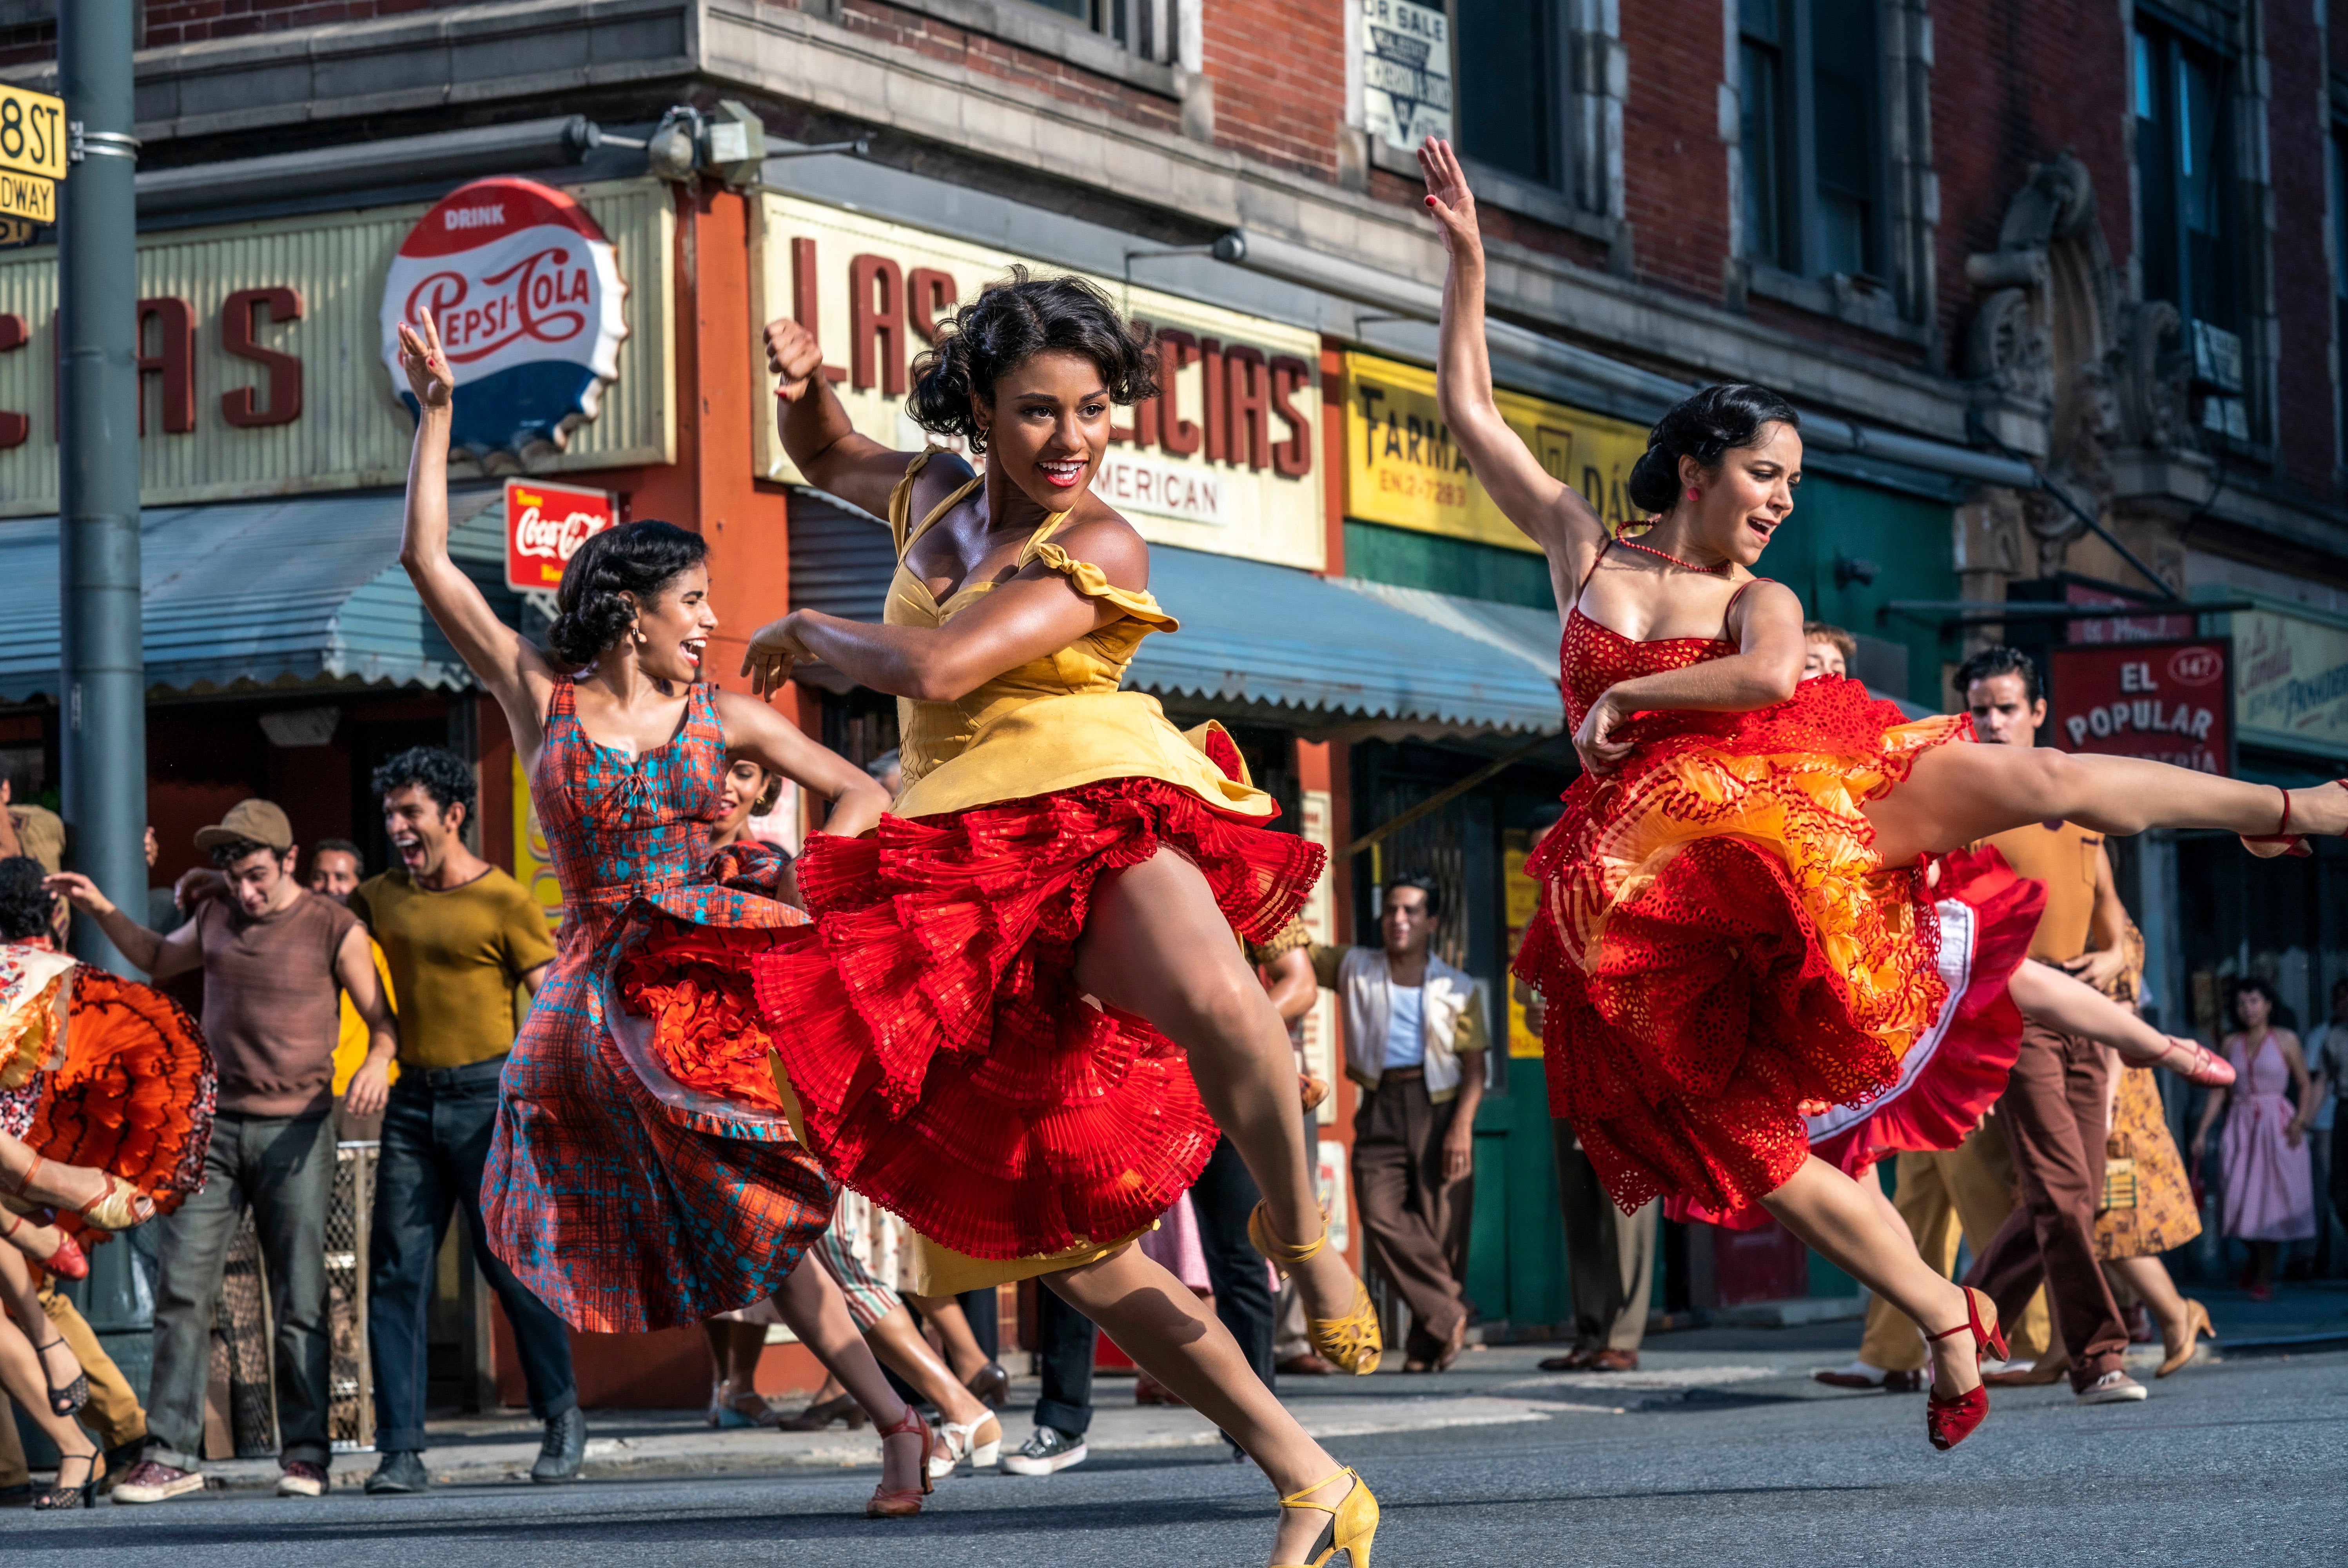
(758, 732)
(515, 673)
(815, 429)
(157, 956)
(1552, 514)
(1037, 613)
(1767, 665)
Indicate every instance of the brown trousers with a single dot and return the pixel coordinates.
(1415, 1221)
(1609, 1256)
(2054, 1117)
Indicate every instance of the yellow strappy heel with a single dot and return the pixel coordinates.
(1352, 1341)
(1353, 1523)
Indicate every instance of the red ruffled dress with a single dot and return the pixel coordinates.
(943, 1061)
(1720, 949)
(131, 1092)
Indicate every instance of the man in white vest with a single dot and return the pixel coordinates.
(1415, 1041)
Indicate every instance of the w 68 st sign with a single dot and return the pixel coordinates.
(545, 526)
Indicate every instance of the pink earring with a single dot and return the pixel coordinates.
(1694, 494)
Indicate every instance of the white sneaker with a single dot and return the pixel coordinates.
(2114, 1388)
(1047, 1452)
(301, 1477)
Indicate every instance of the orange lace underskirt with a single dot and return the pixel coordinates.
(1719, 949)
(945, 1063)
(135, 1096)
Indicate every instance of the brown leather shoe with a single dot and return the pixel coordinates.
(1308, 1366)
(1455, 1343)
(1572, 1361)
(1614, 1361)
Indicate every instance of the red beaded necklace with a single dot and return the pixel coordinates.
(1722, 570)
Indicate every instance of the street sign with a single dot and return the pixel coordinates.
(15, 231)
(2168, 701)
(25, 196)
(545, 526)
(32, 133)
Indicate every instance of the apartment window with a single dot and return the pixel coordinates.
(2181, 155)
(2340, 273)
(1145, 27)
(1509, 109)
(1811, 84)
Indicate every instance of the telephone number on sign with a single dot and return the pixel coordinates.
(1422, 487)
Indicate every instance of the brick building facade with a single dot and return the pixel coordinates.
(1975, 242)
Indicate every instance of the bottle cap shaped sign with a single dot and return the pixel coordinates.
(528, 296)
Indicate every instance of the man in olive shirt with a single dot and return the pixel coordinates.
(459, 934)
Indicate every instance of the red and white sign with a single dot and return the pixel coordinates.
(2169, 701)
(545, 526)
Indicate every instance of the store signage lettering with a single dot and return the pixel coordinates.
(254, 374)
(2164, 701)
(545, 526)
(1406, 72)
(1404, 470)
(1222, 459)
(528, 296)
(2290, 687)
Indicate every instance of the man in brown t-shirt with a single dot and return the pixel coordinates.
(277, 960)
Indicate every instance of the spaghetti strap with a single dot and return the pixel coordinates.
(902, 530)
(1595, 562)
(1730, 608)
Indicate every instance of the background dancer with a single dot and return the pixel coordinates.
(2266, 1181)
(626, 760)
(1056, 840)
(1718, 943)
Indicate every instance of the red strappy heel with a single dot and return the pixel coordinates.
(67, 1263)
(887, 1504)
(2291, 843)
(1950, 1421)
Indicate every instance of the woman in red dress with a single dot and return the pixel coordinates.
(1022, 1014)
(625, 1200)
(1734, 929)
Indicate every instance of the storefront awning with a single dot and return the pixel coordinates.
(1341, 651)
(263, 593)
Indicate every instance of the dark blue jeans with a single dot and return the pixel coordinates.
(436, 1140)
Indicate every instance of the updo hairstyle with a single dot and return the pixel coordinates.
(1704, 426)
(639, 558)
(1011, 322)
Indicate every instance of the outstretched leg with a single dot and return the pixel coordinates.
(1959, 793)
(1170, 1332)
(1156, 943)
(1859, 1234)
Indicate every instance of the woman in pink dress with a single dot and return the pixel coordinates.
(2267, 1185)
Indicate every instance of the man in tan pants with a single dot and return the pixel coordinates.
(1967, 1189)
(112, 1413)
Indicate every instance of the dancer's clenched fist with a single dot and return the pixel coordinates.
(792, 354)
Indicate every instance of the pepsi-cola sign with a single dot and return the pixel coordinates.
(528, 296)
(545, 526)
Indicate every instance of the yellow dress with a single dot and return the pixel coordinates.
(939, 1056)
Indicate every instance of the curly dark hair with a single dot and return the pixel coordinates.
(439, 772)
(1705, 426)
(641, 558)
(2000, 660)
(26, 906)
(1009, 323)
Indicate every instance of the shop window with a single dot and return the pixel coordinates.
(2177, 89)
(1811, 89)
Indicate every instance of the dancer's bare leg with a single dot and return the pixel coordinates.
(1155, 944)
(1960, 793)
(2149, 1279)
(899, 1345)
(1177, 1339)
(811, 1302)
(24, 1298)
(1836, 1218)
(20, 1373)
(945, 1314)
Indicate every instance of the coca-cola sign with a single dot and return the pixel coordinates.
(545, 526)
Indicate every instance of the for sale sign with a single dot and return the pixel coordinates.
(545, 526)
(2169, 701)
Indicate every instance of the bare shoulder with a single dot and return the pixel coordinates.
(1764, 600)
(945, 473)
(1106, 540)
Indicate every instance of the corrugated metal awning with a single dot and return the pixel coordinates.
(267, 593)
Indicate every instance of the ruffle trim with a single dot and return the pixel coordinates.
(1093, 583)
(136, 1096)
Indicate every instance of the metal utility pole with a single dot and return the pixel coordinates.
(102, 679)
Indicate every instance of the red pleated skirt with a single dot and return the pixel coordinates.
(945, 1063)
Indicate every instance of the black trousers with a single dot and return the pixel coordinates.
(1066, 1344)
(1222, 1199)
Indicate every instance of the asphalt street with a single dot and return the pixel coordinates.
(1721, 1456)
